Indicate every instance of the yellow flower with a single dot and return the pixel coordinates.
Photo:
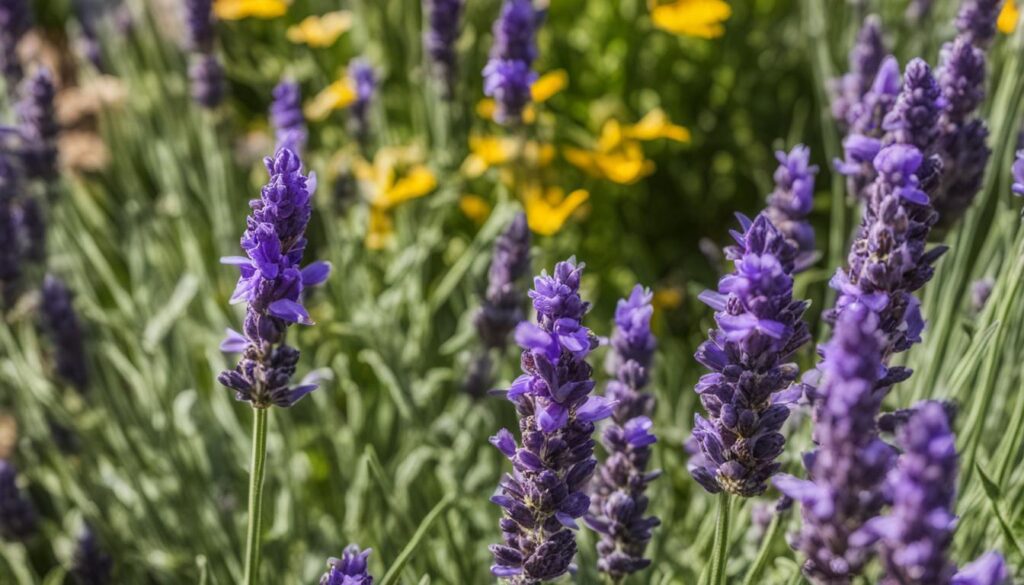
(548, 209)
(393, 178)
(695, 18)
(1008, 17)
(380, 231)
(654, 125)
(546, 87)
(475, 208)
(335, 96)
(321, 31)
(624, 164)
(239, 9)
(486, 152)
(666, 299)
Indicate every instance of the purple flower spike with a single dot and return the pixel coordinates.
(508, 75)
(865, 59)
(364, 77)
(439, 39)
(90, 565)
(15, 20)
(618, 502)
(866, 127)
(915, 115)
(846, 471)
(199, 23)
(976, 20)
(18, 519)
(1018, 174)
(350, 569)
(10, 228)
(791, 202)
(205, 72)
(60, 322)
(760, 326)
(286, 116)
(545, 495)
(989, 569)
(37, 126)
(271, 283)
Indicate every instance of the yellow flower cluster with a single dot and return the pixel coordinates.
(239, 9)
(618, 155)
(394, 177)
(1009, 17)
(321, 31)
(695, 18)
(546, 87)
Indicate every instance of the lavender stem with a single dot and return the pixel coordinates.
(259, 459)
(720, 552)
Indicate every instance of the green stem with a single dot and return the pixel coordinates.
(721, 546)
(259, 458)
(774, 529)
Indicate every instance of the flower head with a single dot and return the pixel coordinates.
(90, 565)
(18, 519)
(60, 322)
(1018, 174)
(791, 201)
(694, 18)
(200, 25)
(206, 78)
(350, 569)
(865, 60)
(286, 115)
(321, 31)
(502, 308)
(442, 31)
(509, 73)
(364, 81)
(914, 117)
(38, 127)
(977, 20)
(239, 9)
(760, 326)
(15, 20)
(10, 229)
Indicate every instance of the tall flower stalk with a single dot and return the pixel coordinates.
(271, 283)
(508, 75)
(545, 494)
(206, 75)
(15, 20)
(443, 18)
(18, 517)
(350, 569)
(618, 502)
(792, 200)
(286, 116)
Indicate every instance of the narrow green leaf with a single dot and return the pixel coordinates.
(392, 575)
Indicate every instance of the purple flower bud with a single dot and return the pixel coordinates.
(206, 76)
(976, 20)
(10, 228)
(981, 290)
(37, 126)
(760, 326)
(286, 116)
(914, 117)
(1018, 174)
(90, 565)
(988, 569)
(439, 39)
(350, 569)
(508, 75)
(18, 520)
(364, 77)
(60, 321)
(865, 59)
(15, 20)
(200, 24)
(791, 202)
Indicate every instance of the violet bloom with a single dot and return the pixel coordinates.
(350, 569)
(60, 321)
(1018, 174)
(37, 126)
(846, 471)
(18, 519)
(918, 10)
(502, 307)
(914, 117)
(10, 243)
(200, 25)
(748, 394)
(15, 20)
(865, 60)
(442, 17)
(791, 202)
(618, 502)
(286, 116)
(545, 493)
(508, 76)
(988, 569)
(866, 131)
(976, 20)
(271, 283)
(206, 79)
(364, 78)
(90, 565)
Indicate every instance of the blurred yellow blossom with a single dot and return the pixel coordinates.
(475, 208)
(695, 18)
(1009, 17)
(666, 299)
(546, 86)
(239, 9)
(625, 164)
(393, 178)
(486, 152)
(335, 96)
(380, 230)
(321, 31)
(547, 209)
(654, 125)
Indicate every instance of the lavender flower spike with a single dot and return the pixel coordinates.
(865, 59)
(618, 502)
(15, 20)
(915, 115)
(18, 520)
(200, 23)
(62, 325)
(508, 75)
(977, 20)
(286, 116)
(760, 326)
(791, 202)
(10, 227)
(988, 569)
(365, 80)
(206, 77)
(439, 39)
(272, 282)
(37, 126)
(1018, 174)
(90, 565)
(866, 121)
(350, 569)
(847, 469)
(544, 495)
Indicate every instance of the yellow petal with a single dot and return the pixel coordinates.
(539, 154)
(1008, 17)
(581, 159)
(475, 208)
(239, 9)
(625, 165)
(416, 183)
(486, 152)
(548, 85)
(611, 136)
(485, 108)
(547, 213)
(696, 18)
(335, 96)
(380, 231)
(667, 298)
(654, 125)
(321, 31)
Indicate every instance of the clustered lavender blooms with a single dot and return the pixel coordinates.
(865, 60)
(747, 396)
(847, 468)
(1018, 174)
(791, 202)
(286, 116)
(18, 520)
(976, 20)
(90, 565)
(37, 126)
(508, 75)
(914, 117)
(988, 569)
(15, 20)
(544, 495)
(60, 321)
(350, 569)
(502, 307)
(618, 503)
(364, 78)
(10, 242)
(206, 75)
(439, 39)
(271, 282)
(866, 119)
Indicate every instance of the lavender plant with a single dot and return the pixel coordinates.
(1018, 174)
(866, 59)
(15, 20)
(286, 116)
(791, 202)
(18, 517)
(205, 72)
(442, 31)
(37, 126)
(618, 503)
(10, 245)
(350, 569)
(508, 75)
(60, 322)
(364, 77)
(90, 565)
(545, 494)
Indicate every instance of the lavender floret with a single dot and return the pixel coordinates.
(976, 20)
(981, 290)
(618, 502)
(60, 321)
(271, 283)
(206, 77)
(1018, 174)
(350, 569)
(200, 23)
(18, 519)
(791, 202)
(748, 393)
(365, 79)
(286, 116)
(544, 495)
(865, 60)
(15, 20)
(37, 126)
(90, 565)
(866, 128)
(508, 75)
(10, 228)
(988, 569)
(914, 117)
(439, 39)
